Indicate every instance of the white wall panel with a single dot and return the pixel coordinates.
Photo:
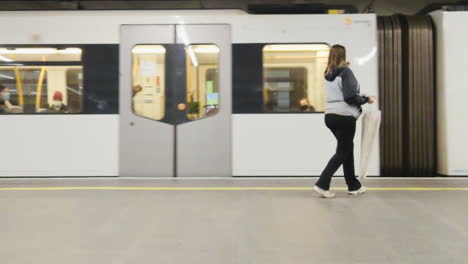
(59, 145)
(452, 92)
(287, 145)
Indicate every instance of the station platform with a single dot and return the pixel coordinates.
(232, 221)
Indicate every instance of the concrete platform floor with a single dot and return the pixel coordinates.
(231, 222)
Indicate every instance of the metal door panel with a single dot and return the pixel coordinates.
(204, 145)
(146, 145)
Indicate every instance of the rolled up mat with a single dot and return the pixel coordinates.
(370, 130)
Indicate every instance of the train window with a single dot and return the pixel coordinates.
(74, 78)
(293, 77)
(148, 83)
(202, 80)
(41, 80)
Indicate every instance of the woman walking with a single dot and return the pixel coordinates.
(342, 110)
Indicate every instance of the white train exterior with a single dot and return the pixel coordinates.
(266, 144)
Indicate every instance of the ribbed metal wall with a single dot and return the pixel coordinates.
(406, 87)
(419, 89)
(390, 93)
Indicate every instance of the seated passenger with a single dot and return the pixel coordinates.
(136, 89)
(306, 106)
(271, 105)
(5, 104)
(138, 100)
(57, 106)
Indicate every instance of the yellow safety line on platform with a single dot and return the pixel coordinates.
(225, 188)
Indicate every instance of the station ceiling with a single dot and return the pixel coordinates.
(381, 7)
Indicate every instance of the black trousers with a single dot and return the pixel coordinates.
(343, 128)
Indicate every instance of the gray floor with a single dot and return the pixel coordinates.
(231, 226)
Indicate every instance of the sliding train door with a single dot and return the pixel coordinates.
(175, 101)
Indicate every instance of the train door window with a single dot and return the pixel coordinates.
(148, 83)
(38, 80)
(293, 77)
(202, 80)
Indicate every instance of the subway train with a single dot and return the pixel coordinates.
(218, 93)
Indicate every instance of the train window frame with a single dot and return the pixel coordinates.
(264, 45)
(53, 63)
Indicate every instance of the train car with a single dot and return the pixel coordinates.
(202, 93)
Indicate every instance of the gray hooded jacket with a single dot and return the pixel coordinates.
(343, 96)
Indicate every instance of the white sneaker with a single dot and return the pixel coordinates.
(325, 194)
(359, 191)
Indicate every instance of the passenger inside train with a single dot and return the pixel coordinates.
(306, 106)
(57, 105)
(137, 99)
(5, 101)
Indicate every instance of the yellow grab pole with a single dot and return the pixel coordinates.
(19, 86)
(39, 88)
